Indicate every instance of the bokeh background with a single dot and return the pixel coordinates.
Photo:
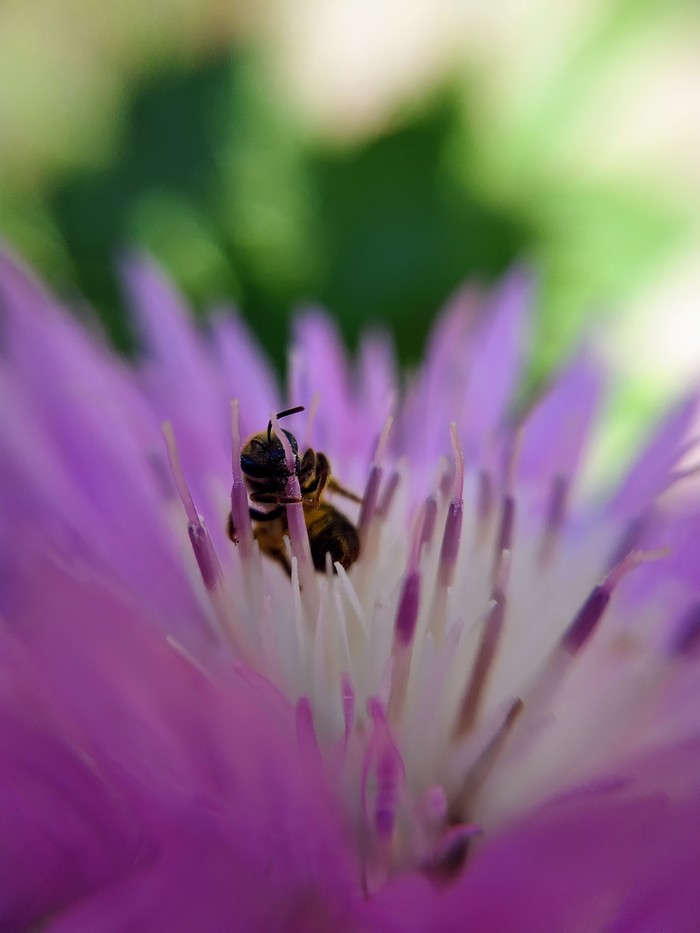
(370, 155)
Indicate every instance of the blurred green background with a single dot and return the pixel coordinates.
(369, 157)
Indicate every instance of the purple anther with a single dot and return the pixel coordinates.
(376, 710)
(450, 542)
(557, 504)
(504, 541)
(407, 614)
(591, 612)
(387, 796)
(686, 638)
(388, 495)
(631, 538)
(429, 520)
(348, 700)
(389, 776)
(306, 732)
(204, 552)
(484, 497)
(448, 856)
(483, 664)
(369, 501)
(587, 618)
(207, 560)
(379, 740)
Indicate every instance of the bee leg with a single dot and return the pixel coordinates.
(258, 516)
(308, 466)
(231, 529)
(334, 486)
(273, 497)
(273, 549)
(322, 471)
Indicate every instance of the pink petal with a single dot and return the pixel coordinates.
(206, 768)
(593, 860)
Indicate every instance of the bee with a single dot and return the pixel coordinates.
(266, 474)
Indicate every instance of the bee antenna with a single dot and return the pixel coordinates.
(283, 414)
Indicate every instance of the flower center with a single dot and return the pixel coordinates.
(426, 675)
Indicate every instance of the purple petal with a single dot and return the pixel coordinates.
(318, 365)
(495, 368)
(206, 883)
(651, 471)
(149, 782)
(441, 385)
(675, 534)
(246, 373)
(65, 833)
(81, 452)
(556, 432)
(377, 387)
(183, 381)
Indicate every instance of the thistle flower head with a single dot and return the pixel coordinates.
(487, 721)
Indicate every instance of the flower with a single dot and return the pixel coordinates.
(489, 722)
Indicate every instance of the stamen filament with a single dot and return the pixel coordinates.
(482, 666)
(239, 496)
(387, 496)
(556, 510)
(205, 555)
(297, 529)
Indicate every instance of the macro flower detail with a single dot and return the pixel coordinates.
(487, 722)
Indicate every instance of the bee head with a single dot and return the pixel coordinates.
(263, 460)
